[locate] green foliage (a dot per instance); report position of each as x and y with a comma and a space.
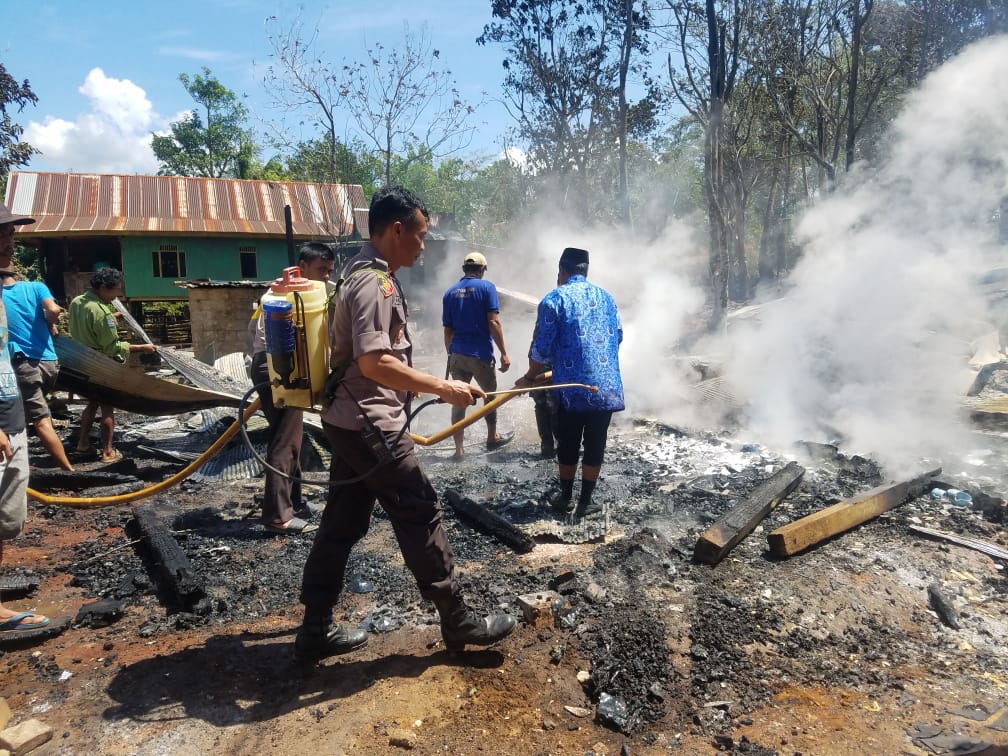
314, 160
404, 105
563, 85
27, 262
171, 309
499, 194
211, 141
13, 151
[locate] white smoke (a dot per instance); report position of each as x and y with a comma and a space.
872, 343
870, 346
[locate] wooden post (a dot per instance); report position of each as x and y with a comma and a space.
726, 533
800, 534
490, 521
174, 571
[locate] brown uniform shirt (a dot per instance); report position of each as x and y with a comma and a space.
369, 315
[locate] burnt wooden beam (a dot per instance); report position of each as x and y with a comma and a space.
490, 522
985, 547
726, 533
65, 480
174, 571
799, 535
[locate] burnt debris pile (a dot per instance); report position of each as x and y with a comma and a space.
655, 635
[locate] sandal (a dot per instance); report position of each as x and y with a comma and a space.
502, 440
16, 623
293, 526
116, 456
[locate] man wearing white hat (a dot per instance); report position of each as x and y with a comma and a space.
470, 314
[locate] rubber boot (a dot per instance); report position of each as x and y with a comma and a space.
586, 507
318, 637
561, 500
544, 424
461, 625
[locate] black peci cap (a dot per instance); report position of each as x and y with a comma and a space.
572, 257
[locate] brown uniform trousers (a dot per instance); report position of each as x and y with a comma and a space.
408, 498
282, 496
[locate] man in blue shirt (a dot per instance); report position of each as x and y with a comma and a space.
32, 314
577, 336
470, 314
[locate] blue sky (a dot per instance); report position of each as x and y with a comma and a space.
106, 73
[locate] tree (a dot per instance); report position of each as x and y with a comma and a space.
213, 141
13, 152
302, 81
405, 106
314, 160
941, 28
500, 192
710, 38
568, 67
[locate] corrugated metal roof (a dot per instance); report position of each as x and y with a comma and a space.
65, 204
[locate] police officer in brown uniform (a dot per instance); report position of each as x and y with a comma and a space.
366, 416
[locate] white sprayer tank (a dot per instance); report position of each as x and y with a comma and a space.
297, 340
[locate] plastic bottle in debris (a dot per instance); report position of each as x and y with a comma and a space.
962, 499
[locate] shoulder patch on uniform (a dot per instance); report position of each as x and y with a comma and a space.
384, 285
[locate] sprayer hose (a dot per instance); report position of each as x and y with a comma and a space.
143, 493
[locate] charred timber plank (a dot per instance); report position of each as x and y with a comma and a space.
46, 480
490, 521
174, 569
842, 516
726, 533
976, 544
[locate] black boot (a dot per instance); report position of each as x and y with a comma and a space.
461, 625
586, 507
562, 500
318, 637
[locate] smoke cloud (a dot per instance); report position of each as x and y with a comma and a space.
869, 347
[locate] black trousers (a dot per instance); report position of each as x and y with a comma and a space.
282, 495
574, 427
411, 503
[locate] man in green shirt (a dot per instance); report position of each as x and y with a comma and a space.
93, 324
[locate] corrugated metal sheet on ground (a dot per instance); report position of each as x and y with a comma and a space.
65, 204
234, 462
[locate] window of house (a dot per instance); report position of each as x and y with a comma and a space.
169, 262
249, 263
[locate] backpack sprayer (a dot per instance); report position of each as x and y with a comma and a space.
297, 340
296, 324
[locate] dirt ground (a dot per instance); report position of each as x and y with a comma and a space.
833, 651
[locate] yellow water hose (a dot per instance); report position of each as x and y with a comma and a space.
466, 421
499, 397
107, 501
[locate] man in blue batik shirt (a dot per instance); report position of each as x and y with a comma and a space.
577, 335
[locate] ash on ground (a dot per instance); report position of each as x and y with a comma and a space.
667, 643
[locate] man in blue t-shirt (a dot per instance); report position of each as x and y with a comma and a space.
577, 335
470, 314
32, 314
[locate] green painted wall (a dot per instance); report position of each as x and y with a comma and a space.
206, 257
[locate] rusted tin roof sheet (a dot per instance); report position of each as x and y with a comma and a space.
67, 204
